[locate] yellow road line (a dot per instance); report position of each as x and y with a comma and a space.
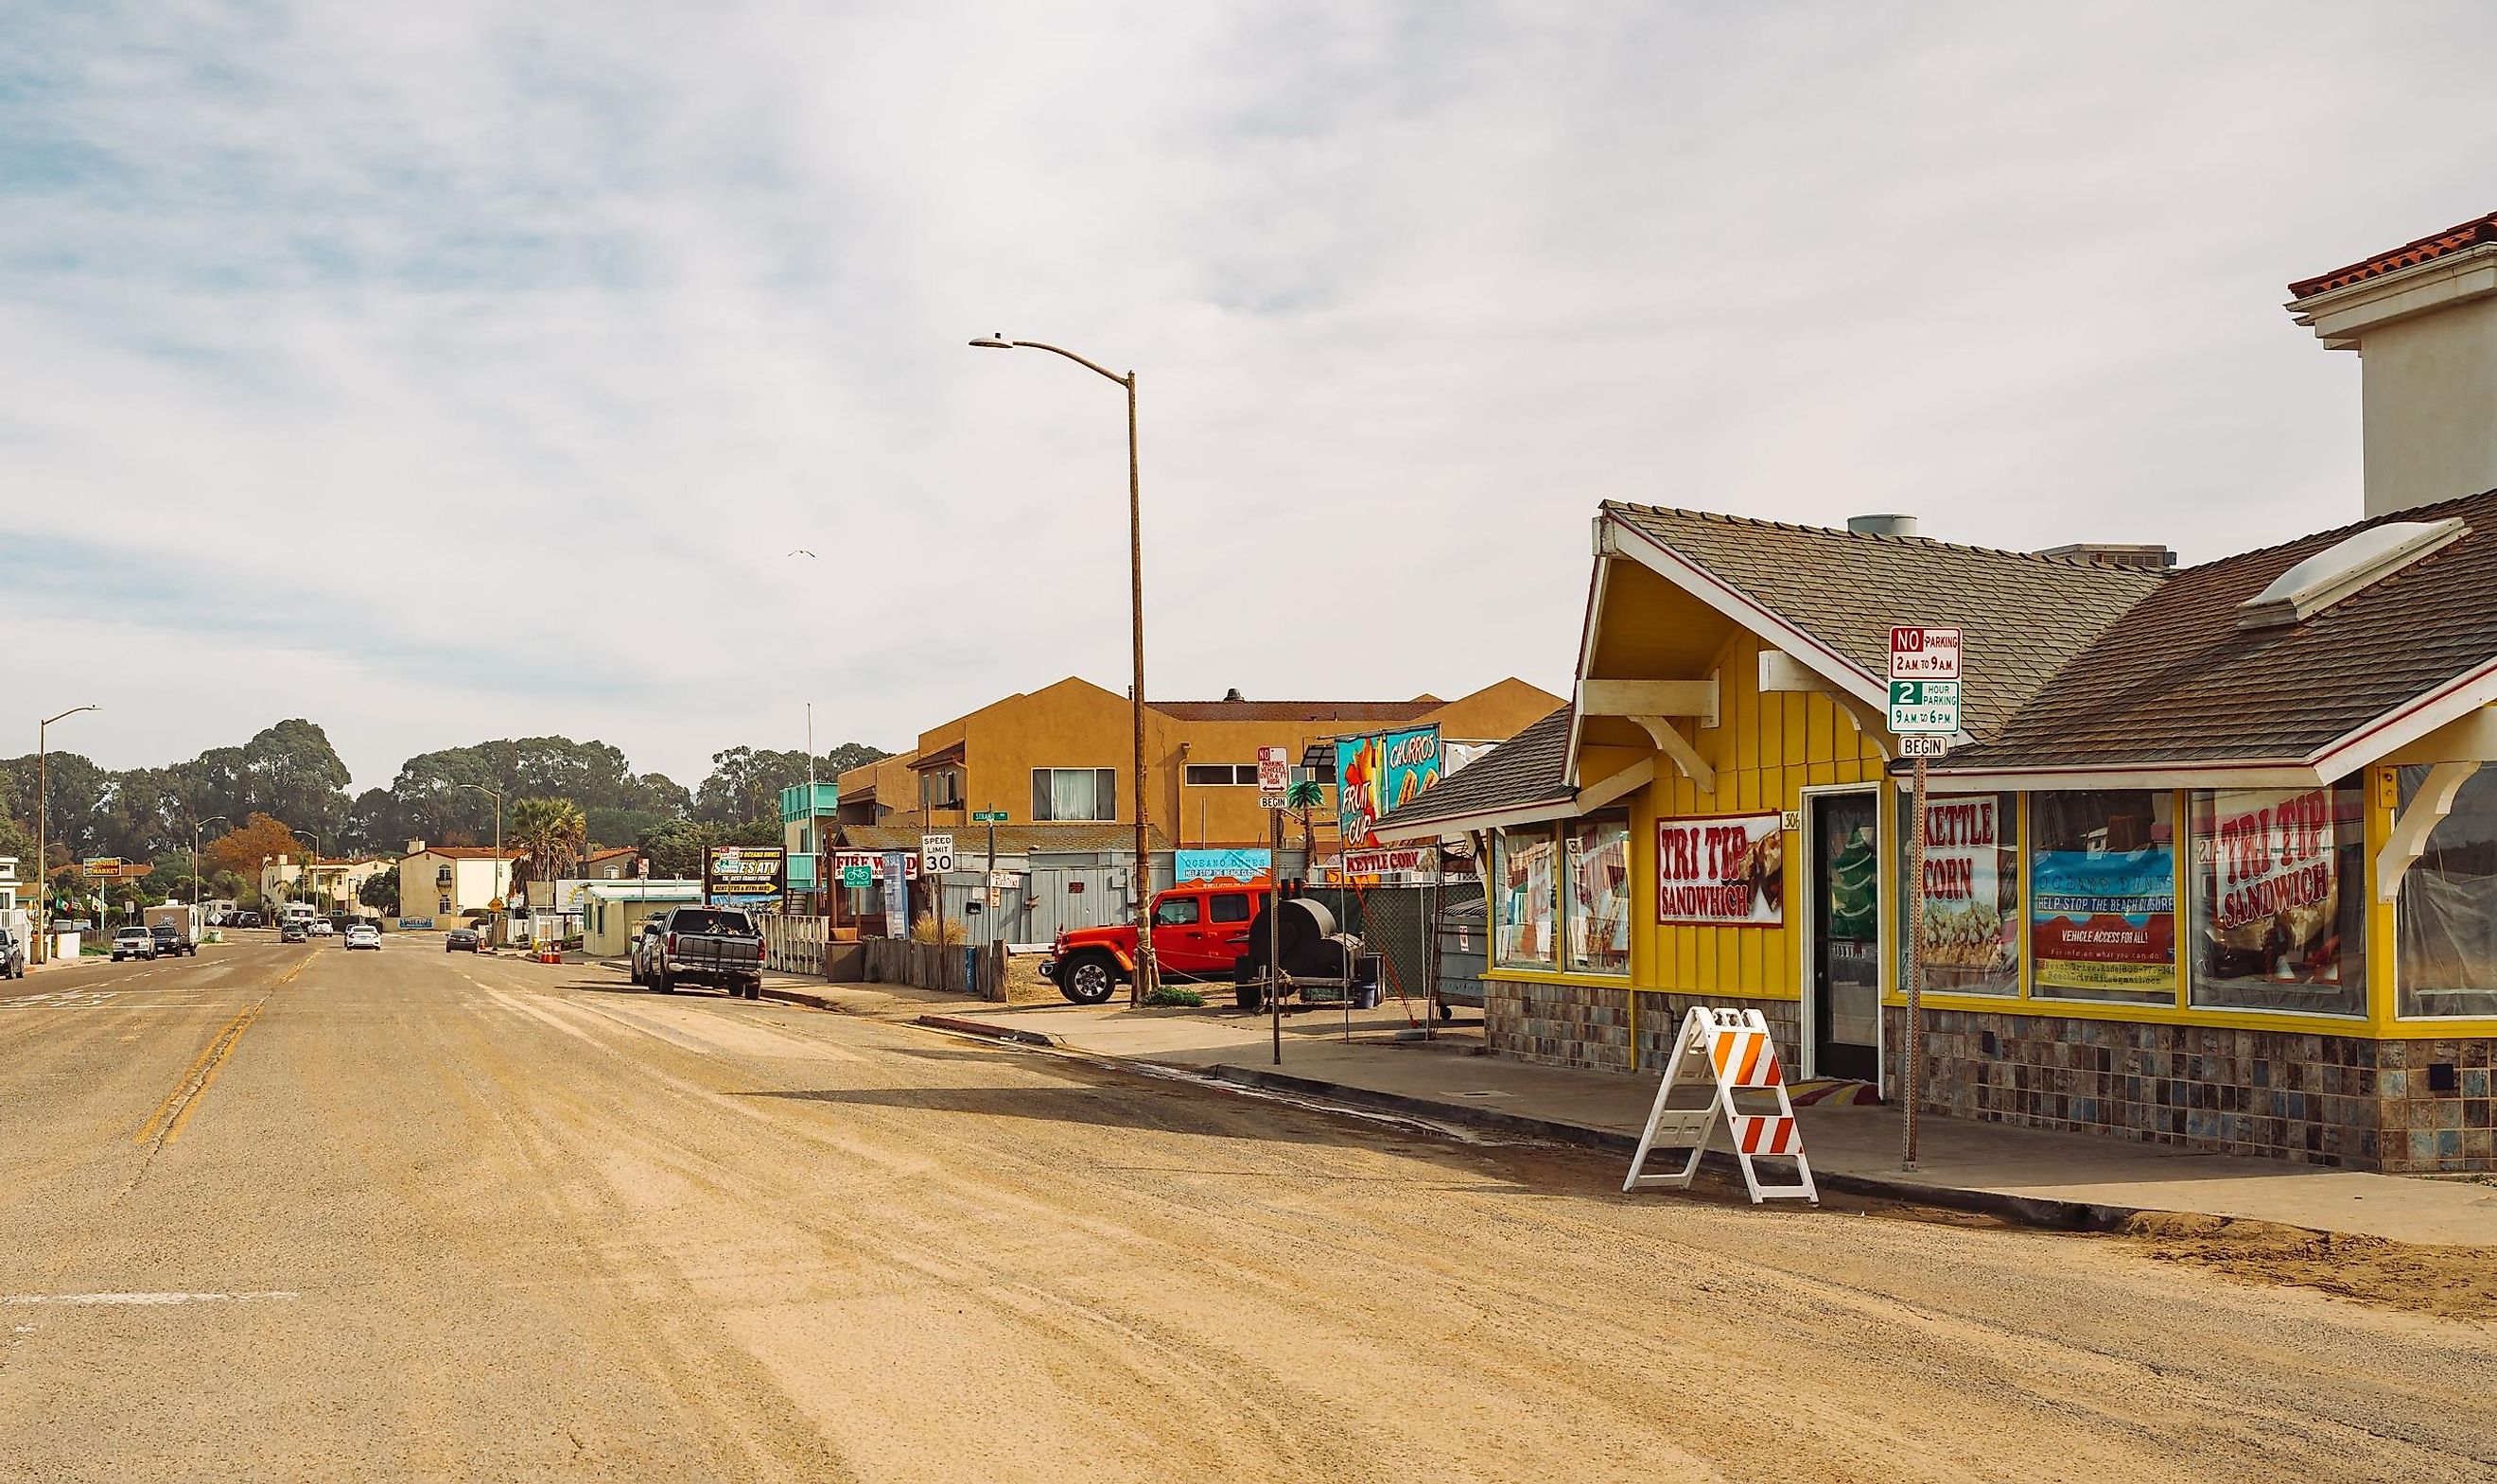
176, 1110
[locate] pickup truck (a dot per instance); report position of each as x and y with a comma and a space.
717, 946
1200, 932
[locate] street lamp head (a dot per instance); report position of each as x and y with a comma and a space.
995, 342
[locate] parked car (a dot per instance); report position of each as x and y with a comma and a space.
459, 940
1200, 932
246, 919
717, 946
170, 941
133, 943
646, 948
294, 933
364, 935
13, 956
318, 927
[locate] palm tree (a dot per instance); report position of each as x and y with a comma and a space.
1308, 797
553, 833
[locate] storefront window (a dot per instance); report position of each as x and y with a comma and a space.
1528, 905
2446, 921
1599, 896
2103, 895
1971, 927
2279, 909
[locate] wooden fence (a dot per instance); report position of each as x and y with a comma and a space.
797, 945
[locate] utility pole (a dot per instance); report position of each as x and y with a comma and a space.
502, 892
197, 825
43, 844
1274, 928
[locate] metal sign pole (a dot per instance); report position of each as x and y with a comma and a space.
1274, 929
1915, 887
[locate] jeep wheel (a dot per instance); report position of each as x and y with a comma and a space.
1088, 978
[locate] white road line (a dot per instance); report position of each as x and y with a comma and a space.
148, 1300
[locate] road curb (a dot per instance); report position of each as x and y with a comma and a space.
799, 998
2044, 1212
970, 1027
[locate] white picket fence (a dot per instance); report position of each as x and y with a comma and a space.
794, 945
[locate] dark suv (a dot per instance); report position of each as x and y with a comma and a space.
170, 942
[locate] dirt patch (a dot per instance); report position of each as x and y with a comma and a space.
2450, 1283
1023, 984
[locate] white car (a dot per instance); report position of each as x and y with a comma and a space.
364, 935
134, 943
320, 928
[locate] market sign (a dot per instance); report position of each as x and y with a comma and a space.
745, 876
1721, 870
1379, 860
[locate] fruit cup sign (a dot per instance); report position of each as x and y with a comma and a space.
1721, 870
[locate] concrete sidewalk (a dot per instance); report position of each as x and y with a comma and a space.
2051, 1179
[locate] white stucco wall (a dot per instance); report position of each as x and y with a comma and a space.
2430, 396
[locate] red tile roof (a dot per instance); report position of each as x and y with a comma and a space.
2454, 238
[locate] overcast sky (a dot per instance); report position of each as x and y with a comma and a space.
465, 369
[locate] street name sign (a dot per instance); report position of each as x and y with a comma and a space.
988, 816
1924, 705
935, 853
1919, 653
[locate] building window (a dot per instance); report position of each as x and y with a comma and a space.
1322, 772
1522, 878
1971, 924
1221, 774
2103, 895
2280, 900
2445, 918
1074, 793
445, 908
941, 789
1600, 894
442, 875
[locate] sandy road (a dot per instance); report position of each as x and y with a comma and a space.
439, 1217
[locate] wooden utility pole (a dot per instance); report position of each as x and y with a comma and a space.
1274, 929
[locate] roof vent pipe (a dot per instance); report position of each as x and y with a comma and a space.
1233, 694
1881, 525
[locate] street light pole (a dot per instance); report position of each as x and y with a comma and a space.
311, 883
197, 825
500, 894
43, 844
1146, 974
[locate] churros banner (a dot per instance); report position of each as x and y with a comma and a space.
1377, 774
1721, 870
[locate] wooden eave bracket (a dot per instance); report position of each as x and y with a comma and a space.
1781, 672
2408, 840
1670, 742
1635, 699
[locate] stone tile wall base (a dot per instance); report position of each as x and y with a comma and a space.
1558, 1024
2336, 1100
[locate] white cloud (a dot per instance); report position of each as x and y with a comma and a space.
441, 373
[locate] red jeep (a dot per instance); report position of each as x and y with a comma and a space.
1200, 932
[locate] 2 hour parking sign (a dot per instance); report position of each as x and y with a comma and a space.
1924, 679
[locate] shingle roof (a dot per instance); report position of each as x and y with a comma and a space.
2023, 614
477, 852
2454, 238
2175, 681
1014, 840
1297, 710
1529, 769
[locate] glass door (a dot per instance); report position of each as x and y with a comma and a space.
1846, 931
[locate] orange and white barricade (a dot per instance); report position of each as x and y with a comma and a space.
1730, 1051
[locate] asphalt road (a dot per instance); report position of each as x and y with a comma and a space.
291, 1213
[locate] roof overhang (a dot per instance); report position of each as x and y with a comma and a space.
2340, 317
1569, 805
2453, 723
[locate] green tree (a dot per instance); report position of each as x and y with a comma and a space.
1305, 798
379, 892
746, 784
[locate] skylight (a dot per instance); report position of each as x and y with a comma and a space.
2344, 569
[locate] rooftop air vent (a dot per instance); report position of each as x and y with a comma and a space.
1881, 525
2344, 568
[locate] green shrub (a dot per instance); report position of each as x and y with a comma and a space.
1168, 997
